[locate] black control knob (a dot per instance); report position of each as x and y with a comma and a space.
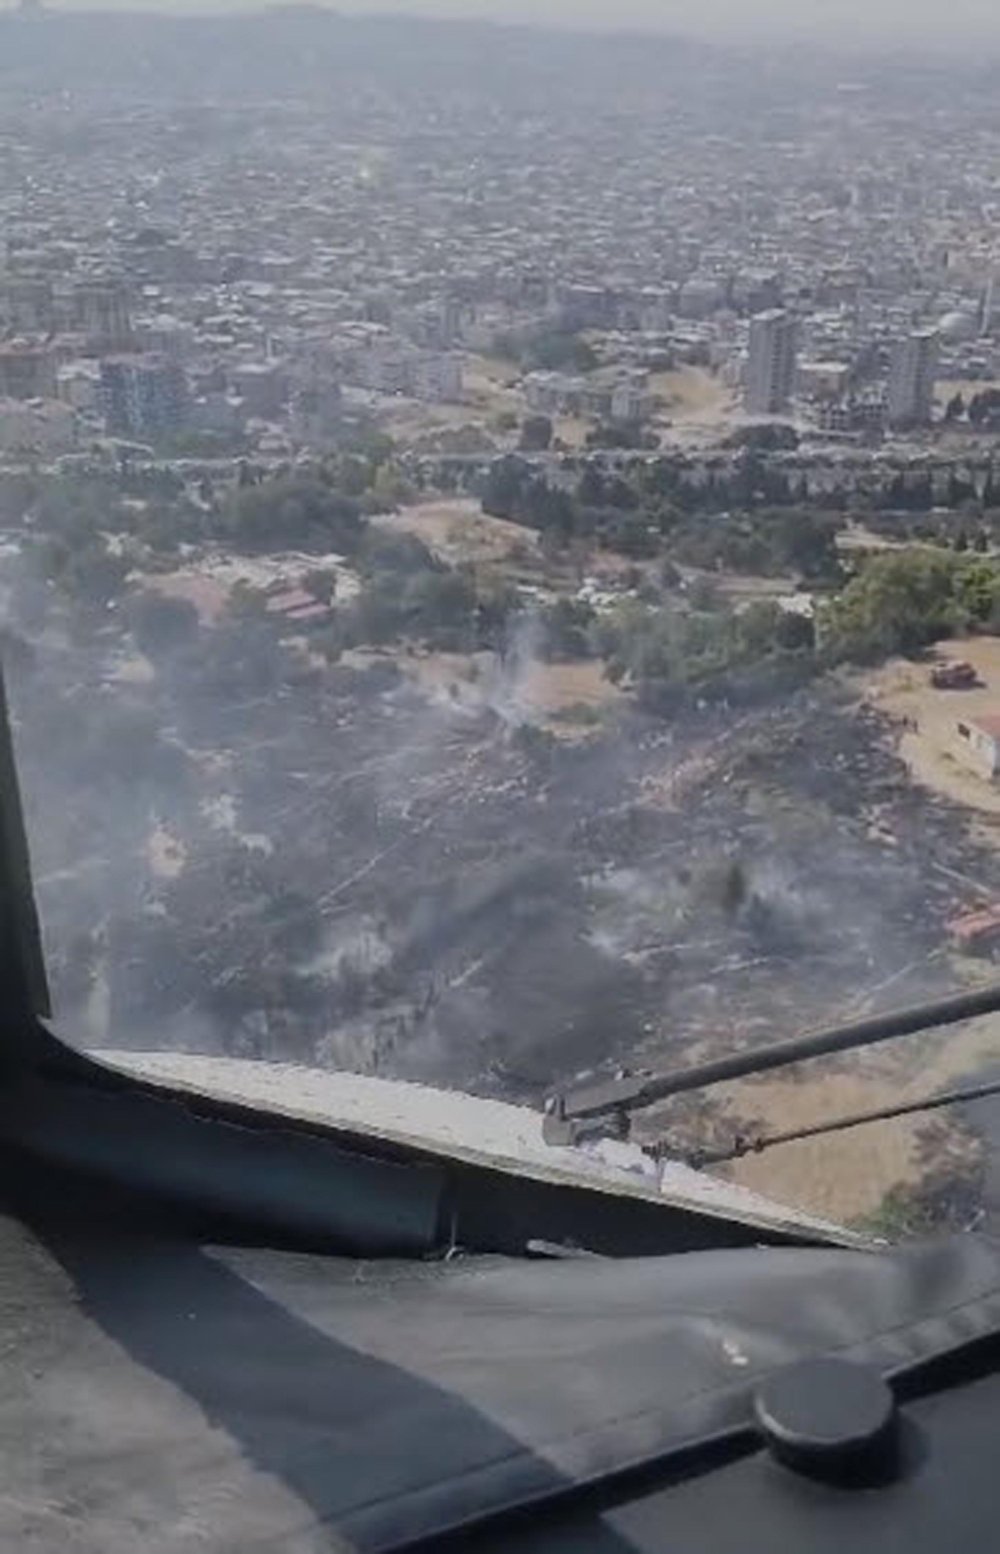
828, 1417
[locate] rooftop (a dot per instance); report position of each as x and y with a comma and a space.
987, 723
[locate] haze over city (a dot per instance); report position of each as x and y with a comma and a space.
964, 24
469, 494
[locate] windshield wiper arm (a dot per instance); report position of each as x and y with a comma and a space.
606, 1105
756, 1143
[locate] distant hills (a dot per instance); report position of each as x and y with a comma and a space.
302, 47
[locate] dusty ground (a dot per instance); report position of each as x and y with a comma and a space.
967, 387
695, 406
933, 751
691, 394
571, 430
485, 381
208, 581
410, 420
739, 589
483, 374
857, 537
846, 1175
568, 699
458, 530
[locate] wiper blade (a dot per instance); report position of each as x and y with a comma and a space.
755, 1144
606, 1105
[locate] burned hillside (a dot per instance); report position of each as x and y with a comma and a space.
343, 869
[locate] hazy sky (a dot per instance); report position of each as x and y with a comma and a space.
914, 21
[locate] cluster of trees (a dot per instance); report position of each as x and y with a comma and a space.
770, 542
90, 571
296, 512
749, 480
901, 601
984, 409
407, 592
161, 624
536, 434
602, 509
622, 434
765, 437
88, 541
955, 531
898, 602
981, 411
91, 531
673, 656
750, 516
754, 479
635, 515
549, 349
565, 630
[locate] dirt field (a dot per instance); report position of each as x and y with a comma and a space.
692, 394
489, 372
554, 690
459, 530
410, 421
857, 537
846, 1175
485, 379
565, 698
571, 430
933, 751
967, 387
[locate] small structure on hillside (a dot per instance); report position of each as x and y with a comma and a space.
977, 932
979, 743
954, 675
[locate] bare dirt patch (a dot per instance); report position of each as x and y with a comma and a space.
846, 1175
566, 698
692, 394
932, 749
459, 531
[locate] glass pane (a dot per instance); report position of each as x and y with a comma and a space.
499, 563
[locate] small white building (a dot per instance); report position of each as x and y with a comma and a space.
979, 743
554, 393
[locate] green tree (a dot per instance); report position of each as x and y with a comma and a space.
300, 512
160, 623
564, 629
898, 603
557, 350
321, 582
385, 550
503, 490
536, 434
976, 588
621, 434
89, 571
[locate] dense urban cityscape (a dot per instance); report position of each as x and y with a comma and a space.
478, 505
